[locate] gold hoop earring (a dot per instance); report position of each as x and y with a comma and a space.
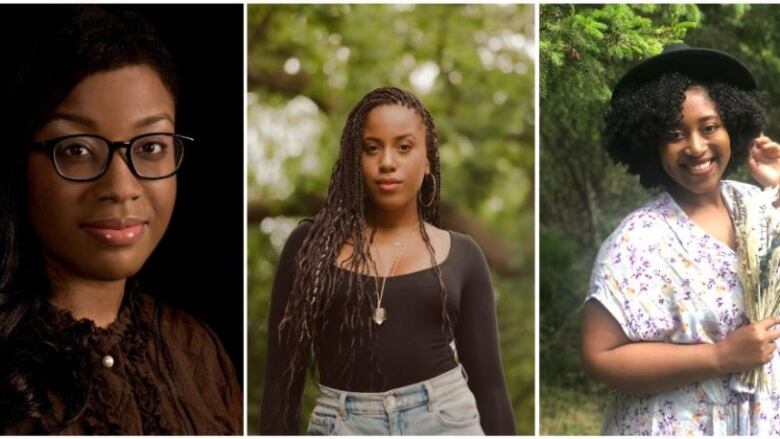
433, 193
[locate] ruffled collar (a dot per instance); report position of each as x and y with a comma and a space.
62, 320
80, 348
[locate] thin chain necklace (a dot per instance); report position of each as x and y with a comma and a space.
380, 313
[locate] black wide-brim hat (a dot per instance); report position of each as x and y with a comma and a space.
698, 63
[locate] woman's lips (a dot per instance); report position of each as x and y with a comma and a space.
700, 167
388, 185
116, 231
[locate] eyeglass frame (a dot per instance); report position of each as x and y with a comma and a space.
112, 146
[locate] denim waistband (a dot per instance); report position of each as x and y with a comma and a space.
424, 393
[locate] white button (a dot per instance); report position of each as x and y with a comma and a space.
108, 361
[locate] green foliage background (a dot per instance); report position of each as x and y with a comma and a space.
472, 66
584, 50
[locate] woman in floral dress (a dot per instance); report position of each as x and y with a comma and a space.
664, 325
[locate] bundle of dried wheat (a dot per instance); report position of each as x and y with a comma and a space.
757, 229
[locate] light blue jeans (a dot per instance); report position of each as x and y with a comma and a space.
442, 405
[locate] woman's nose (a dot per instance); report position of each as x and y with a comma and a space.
697, 145
387, 160
118, 184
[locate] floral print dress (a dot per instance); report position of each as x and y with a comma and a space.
664, 279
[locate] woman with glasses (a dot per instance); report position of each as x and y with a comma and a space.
88, 188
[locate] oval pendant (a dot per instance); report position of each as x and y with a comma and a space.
380, 316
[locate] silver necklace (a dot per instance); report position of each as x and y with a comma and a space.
380, 313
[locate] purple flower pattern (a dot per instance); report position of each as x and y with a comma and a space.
664, 279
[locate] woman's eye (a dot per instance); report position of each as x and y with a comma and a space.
675, 135
370, 149
151, 149
75, 150
405, 147
709, 129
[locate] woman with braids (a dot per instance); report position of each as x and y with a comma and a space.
374, 293
87, 188
664, 324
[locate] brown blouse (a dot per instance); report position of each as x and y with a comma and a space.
155, 370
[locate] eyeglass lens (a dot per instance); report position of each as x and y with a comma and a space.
86, 157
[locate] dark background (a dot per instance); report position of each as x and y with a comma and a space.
198, 265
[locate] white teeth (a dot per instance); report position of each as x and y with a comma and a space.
701, 166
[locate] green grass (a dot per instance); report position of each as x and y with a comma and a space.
571, 411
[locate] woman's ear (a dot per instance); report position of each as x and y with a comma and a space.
427, 166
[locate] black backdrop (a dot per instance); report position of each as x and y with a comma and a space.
198, 266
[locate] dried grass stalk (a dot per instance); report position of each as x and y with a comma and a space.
757, 230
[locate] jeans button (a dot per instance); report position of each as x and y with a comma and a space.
390, 402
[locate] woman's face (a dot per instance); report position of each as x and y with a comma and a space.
699, 147
394, 156
104, 229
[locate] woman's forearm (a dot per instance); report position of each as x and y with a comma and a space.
645, 368
653, 367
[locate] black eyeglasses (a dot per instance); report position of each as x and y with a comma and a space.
86, 157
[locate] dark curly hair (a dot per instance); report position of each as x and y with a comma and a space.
65, 45
640, 117
342, 219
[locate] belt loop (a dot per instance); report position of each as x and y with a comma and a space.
463, 372
343, 404
431, 398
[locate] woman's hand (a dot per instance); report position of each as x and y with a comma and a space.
748, 347
764, 161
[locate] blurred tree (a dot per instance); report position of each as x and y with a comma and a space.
471, 65
584, 50
749, 32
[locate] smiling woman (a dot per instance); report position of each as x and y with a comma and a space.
88, 184
664, 324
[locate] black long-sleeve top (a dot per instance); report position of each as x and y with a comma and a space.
410, 346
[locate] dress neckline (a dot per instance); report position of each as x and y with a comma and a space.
695, 228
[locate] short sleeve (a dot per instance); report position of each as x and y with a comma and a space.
606, 290
634, 279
